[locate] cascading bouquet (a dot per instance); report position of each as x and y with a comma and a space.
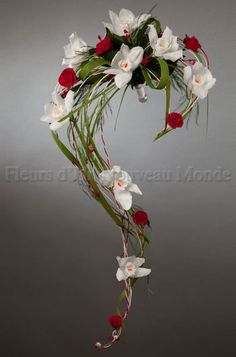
134, 52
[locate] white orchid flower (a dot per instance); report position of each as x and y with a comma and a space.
122, 185
124, 63
76, 51
125, 22
165, 46
57, 109
198, 79
129, 267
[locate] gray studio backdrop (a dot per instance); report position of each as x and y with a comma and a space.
58, 248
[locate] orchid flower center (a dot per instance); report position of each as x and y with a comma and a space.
198, 80
125, 25
120, 183
130, 268
124, 65
164, 43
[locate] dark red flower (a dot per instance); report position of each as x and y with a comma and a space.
140, 217
91, 149
115, 321
67, 78
175, 120
192, 43
103, 46
146, 59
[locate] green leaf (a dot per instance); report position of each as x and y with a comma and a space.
122, 296
90, 66
65, 150
158, 26
108, 56
140, 37
115, 39
164, 77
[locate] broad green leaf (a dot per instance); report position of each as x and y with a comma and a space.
90, 66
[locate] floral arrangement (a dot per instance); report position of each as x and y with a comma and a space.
135, 52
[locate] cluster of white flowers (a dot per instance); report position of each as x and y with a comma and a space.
198, 78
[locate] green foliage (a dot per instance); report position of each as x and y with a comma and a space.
151, 79
115, 39
140, 37
91, 66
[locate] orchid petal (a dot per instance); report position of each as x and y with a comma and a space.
120, 275
187, 74
46, 119
57, 124
123, 261
69, 101
173, 56
116, 169
122, 79
124, 176
113, 71
48, 108
126, 16
57, 99
141, 272
135, 56
167, 33
108, 26
68, 51
124, 50
77, 43
139, 261
124, 198
116, 23
106, 178
134, 188
152, 35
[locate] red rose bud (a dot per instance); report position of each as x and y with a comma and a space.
175, 120
115, 321
67, 78
146, 59
140, 217
103, 46
192, 43
91, 149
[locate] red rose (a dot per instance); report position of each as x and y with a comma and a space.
115, 321
175, 120
140, 217
103, 46
192, 43
146, 60
67, 78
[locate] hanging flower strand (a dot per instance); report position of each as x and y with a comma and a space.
134, 52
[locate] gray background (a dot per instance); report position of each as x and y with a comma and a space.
58, 248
